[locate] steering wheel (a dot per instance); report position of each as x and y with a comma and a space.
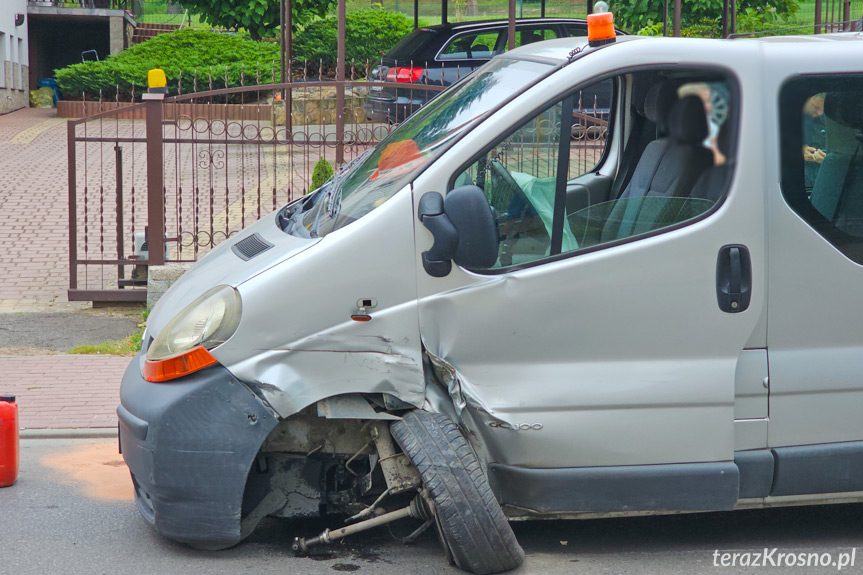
508, 182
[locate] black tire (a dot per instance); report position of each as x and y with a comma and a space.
475, 530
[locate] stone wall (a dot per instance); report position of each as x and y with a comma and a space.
15, 93
316, 106
160, 278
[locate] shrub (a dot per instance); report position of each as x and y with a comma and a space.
184, 52
369, 34
652, 30
640, 14
320, 174
703, 29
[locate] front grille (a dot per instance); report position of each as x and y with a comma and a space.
250, 247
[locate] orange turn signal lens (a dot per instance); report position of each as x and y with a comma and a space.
178, 366
600, 28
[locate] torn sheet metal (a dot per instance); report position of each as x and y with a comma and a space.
297, 344
350, 407
462, 392
292, 380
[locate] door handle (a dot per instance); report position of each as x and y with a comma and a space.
733, 278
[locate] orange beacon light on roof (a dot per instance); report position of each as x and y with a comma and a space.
600, 29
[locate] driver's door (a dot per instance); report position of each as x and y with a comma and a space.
571, 356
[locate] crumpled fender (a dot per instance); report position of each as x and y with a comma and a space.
337, 362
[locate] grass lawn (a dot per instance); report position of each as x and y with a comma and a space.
128, 346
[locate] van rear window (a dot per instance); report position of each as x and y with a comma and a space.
822, 157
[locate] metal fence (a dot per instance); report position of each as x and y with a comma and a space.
92, 4
169, 178
182, 173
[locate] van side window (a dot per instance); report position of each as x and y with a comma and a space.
822, 157
519, 177
591, 118
550, 188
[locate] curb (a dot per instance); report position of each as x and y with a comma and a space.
81, 433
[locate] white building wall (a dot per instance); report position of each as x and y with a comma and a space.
14, 62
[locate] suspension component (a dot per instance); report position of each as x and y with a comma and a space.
418, 509
399, 473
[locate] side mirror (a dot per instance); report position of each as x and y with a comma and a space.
463, 228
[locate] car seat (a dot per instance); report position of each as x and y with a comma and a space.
669, 167
841, 171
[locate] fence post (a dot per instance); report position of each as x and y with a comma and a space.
155, 179
121, 253
818, 10
73, 206
340, 88
289, 58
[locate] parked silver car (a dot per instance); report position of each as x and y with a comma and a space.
492, 317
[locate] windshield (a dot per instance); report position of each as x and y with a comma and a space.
374, 177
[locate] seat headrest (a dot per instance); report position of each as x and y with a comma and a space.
844, 108
639, 95
658, 102
687, 121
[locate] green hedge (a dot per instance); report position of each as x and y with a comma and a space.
187, 51
369, 34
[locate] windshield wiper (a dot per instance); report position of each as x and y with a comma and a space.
291, 223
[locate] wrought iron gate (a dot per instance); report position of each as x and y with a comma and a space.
183, 173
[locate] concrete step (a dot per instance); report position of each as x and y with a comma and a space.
159, 26
144, 32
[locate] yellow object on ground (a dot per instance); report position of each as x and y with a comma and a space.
42, 98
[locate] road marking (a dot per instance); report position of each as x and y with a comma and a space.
27, 135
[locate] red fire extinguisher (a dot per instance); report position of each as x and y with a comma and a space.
8, 440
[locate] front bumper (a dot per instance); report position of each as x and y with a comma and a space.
189, 445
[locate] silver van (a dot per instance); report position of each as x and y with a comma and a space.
491, 317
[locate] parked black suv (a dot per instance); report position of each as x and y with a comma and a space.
442, 55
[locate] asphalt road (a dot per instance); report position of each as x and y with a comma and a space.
62, 331
71, 513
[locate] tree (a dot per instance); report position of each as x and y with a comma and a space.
259, 17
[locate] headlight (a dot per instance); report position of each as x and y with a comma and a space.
183, 345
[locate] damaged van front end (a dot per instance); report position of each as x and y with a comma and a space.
196, 424
271, 370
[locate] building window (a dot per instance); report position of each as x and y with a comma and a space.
3, 60
22, 61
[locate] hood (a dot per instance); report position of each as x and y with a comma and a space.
222, 266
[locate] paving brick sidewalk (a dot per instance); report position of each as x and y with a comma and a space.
33, 212
64, 391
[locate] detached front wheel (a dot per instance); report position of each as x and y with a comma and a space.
472, 524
